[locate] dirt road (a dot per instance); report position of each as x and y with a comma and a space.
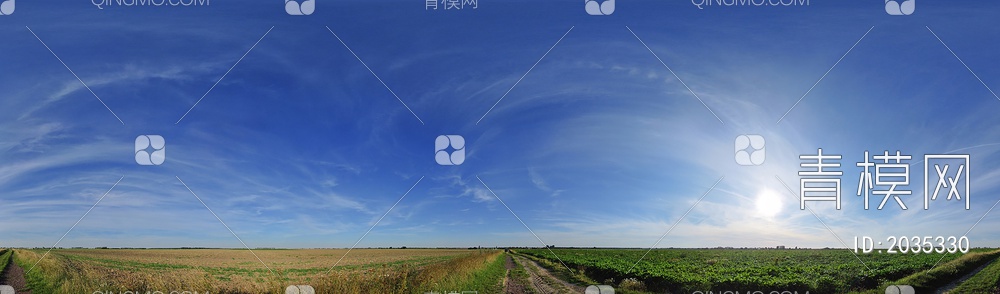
13, 276
511, 283
539, 279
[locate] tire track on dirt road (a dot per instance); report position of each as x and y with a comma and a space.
13, 275
543, 281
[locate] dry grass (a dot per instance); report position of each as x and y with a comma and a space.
238, 271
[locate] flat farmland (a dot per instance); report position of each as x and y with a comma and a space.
751, 270
815, 271
239, 271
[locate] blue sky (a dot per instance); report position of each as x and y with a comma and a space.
599, 145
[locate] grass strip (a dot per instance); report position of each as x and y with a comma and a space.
986, 281
5, 255
482, 272
46, 274
930, 280
520, 276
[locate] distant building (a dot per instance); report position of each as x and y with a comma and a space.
781, 247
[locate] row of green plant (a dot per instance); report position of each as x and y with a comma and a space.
929, 281
690, 270
986, 281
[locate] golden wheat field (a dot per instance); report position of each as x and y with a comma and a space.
239, 271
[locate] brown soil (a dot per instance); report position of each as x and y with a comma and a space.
13, 276
512, 285
542, 281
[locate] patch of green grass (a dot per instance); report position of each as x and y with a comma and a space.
986, 281
5, 255
488, 279
38, 282
521, 276
930, 280
484, 277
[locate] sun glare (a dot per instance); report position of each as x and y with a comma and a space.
768, 204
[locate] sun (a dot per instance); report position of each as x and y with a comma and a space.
768, 204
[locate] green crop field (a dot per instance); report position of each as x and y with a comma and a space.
985, 281
816, 271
